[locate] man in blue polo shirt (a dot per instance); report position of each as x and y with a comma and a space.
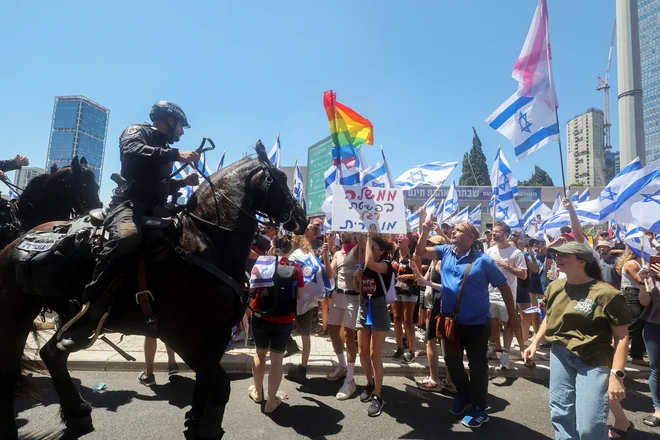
474, 316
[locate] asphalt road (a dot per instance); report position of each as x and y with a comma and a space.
128, 410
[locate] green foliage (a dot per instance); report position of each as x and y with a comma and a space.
475, 170
539, 178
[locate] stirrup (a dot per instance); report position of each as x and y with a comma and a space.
73, 320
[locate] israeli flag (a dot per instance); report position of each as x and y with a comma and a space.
610, 195
635, 235
263, 272
375, 175
557, 206
501, 176
588, 213
475, 217
431, 209
349, 176
639, 199
584, 196
12, 194
327, 209
450, 205
274, 154
413, 221
298, 190
529, 219
462, 215
434, 174
221, 163
575, 198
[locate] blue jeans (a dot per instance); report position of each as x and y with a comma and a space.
651, 335
579, 402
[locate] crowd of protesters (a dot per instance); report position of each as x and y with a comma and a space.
589, 306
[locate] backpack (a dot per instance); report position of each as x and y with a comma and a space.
280, 299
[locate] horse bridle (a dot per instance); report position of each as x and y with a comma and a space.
269, 180
76, 196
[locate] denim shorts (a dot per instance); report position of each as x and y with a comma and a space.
380, 319
268, 335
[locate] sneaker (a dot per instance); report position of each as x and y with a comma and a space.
491, 353
367, 393
397, 354
459, 406
147, 381
339, 373
239, 337
376, 407
347, 390
172, 369
475, 418
546, 357
408, 357
504, 361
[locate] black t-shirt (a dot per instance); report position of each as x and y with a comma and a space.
371, 284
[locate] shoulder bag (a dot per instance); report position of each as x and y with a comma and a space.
445, 323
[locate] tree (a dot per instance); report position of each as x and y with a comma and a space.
539, 178
578, 184
475, 170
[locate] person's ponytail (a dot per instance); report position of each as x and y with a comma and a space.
592, 269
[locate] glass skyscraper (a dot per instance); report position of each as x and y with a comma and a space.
649, 35
79, 127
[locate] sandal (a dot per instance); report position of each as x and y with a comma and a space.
530, 364
447, 386
270, 409
640, 362
651, 421
252, 392
621, 433
429, 385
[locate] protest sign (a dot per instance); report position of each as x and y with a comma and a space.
356, 208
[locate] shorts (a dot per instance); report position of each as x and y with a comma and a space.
430, 324
304, 323
270, 336
426, 298
522, 297
380, 318
498, 310
344, 310
407, 298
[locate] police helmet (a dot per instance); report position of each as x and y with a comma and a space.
162, 109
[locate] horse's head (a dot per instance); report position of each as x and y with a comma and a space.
77, 186
274, 196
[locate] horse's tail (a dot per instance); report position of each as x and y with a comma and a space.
25, 388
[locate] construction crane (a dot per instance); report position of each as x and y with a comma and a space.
604, 84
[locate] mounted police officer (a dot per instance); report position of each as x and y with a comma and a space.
146, 164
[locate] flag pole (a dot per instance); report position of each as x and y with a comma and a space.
433, 196
643, 261
561, 154
387, 167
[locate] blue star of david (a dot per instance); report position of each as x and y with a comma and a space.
609, 196
651, 197
378, 185
504, 211
502, 187
417, 176
522, 119
264, 272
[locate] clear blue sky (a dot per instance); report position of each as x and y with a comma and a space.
423, 72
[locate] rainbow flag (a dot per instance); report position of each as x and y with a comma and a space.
349, 131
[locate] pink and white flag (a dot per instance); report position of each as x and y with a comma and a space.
528, 118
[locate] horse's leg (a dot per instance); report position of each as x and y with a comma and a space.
15, 324
76, 413
212, 388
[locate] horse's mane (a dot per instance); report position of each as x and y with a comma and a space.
35, 185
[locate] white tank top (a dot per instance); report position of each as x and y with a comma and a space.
627, 280
346, 269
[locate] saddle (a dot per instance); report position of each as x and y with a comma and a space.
60, 262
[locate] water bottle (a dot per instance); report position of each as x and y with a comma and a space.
282, 395
368, 319
554, 270
99, 387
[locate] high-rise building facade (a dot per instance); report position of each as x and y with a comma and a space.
586, 149
612, 165
79, 127
23, 176
649, 36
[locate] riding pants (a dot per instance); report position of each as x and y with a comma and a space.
125, 238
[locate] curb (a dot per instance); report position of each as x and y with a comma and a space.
243, 364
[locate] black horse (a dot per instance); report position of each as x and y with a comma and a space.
195, 310
54, 196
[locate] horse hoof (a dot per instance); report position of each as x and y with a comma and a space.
79, 425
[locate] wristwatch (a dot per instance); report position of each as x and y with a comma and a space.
618, 373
